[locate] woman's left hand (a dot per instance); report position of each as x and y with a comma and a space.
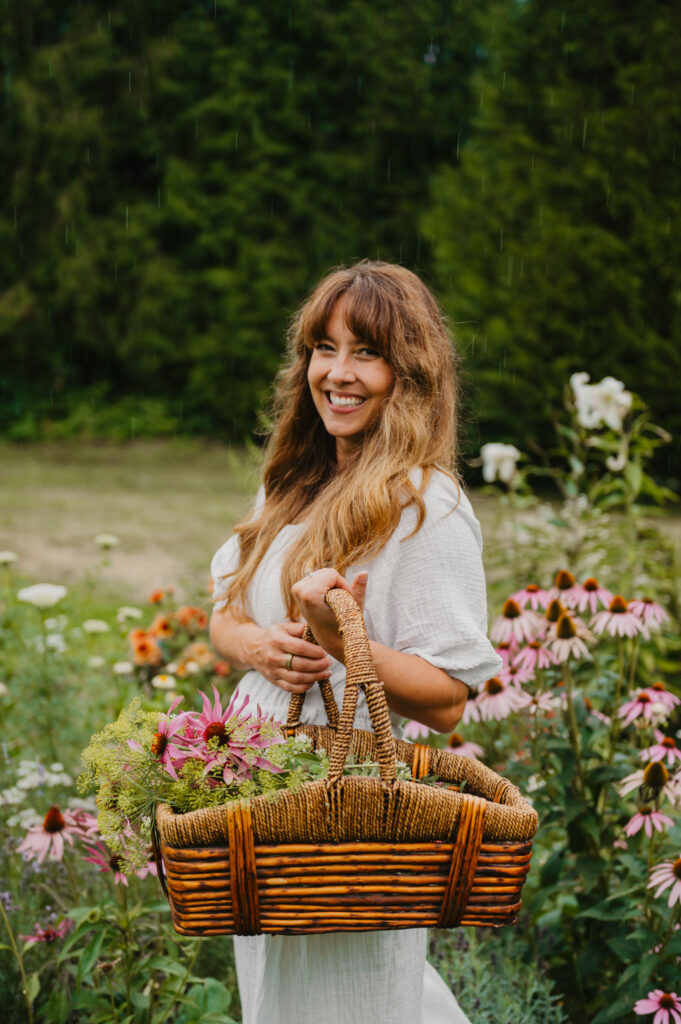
310, 595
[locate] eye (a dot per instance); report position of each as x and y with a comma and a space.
372, 353
323, 346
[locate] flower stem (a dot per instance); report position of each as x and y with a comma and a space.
183, 982
574, 729
20, 961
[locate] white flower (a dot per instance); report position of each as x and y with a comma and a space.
606, 402
14, 795
95, 661
499, 461
25, 819
123, 668
192, 667
170, 697
616, 463
107, 540
58, 623
42, 595
128, 613
7, 557
52, 642
163, 682
4, 690
95, 626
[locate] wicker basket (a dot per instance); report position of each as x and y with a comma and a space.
350, 853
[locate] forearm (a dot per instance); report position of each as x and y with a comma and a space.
416, 689
234, 639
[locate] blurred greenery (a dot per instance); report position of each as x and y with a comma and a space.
177, 176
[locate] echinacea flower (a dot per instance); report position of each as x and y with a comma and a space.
47, 838
42, 595
661, 695
49, 934
535, 656
617, 619
415, 731
665, 1005
664, 748
651, 614
587, 595
499, 461
594, 712
497, 699
228, 741
507, 650
532, 595
642, 705
653, 779
567, 639
664, 875
106, 861
516, 674
470, 709
164, 744
544, 702
564, 587
514, 621
647, 818
464, 748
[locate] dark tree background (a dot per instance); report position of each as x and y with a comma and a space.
176, 176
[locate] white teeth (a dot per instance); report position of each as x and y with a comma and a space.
339, 400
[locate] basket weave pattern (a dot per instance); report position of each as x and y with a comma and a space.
352, 853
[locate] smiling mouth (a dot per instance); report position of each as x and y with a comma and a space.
339, 401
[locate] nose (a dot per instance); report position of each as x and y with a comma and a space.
341, 371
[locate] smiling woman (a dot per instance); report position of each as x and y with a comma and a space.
359, 492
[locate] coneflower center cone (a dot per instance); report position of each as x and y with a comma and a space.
554, 611
54, 820
669, 742
565, 580
590, 584
494, 686
511, 609
565, 629
676, 868
655, 775
159, 744
455, 740
667, 1002
216, 729
618, 605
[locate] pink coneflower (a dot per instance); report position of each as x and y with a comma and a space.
523, 624
535, 656
532, 595
416, 731
651, 614
544, 702
664, 748
497, 699
665, 1005
617, 620
654, 778
666, 874
647, 818
105, 861
47, 839
150, 868
49, 934
228, 741
567, 641
661, 695
164, 746
643, 705
587, 595
470, 711
464, 748
516, 674
563, 588
594, 712
506, 651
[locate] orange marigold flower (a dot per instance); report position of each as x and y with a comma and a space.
222, 668
147, 652
161, 626
191, 618
198, 652
156, 596
137, 634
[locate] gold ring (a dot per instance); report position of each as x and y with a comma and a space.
288, 662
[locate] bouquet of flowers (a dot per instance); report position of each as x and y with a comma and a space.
191, 760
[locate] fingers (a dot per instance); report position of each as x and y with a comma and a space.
359, 588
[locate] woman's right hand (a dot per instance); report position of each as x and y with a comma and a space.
269, 654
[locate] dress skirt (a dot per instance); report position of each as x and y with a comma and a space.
342, 978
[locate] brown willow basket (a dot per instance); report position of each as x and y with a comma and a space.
349, 853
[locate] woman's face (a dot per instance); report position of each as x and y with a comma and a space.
349, 382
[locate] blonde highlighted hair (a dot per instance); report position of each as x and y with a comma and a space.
349, 516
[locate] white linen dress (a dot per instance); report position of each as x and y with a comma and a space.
425, 596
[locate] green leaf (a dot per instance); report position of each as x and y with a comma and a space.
57, 1008
32, 986
89, 956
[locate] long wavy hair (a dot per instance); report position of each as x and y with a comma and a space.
348, 516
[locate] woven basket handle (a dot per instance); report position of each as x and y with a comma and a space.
360, 674
295, 704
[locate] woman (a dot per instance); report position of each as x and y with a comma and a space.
359, 492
